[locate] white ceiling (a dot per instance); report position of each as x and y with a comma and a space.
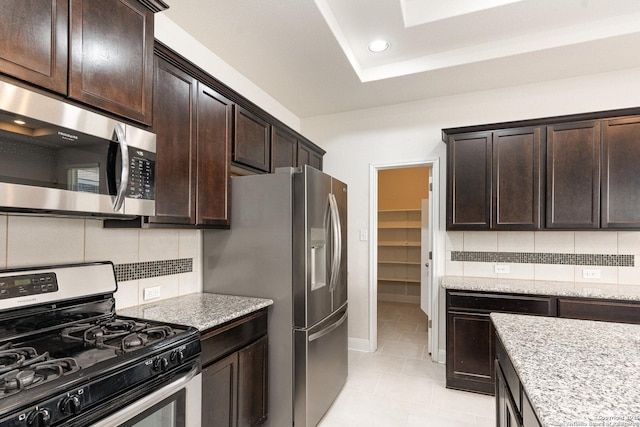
312, 56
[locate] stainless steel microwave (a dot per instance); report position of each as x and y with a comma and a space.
57, 158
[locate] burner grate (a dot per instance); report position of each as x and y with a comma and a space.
122, 335
23, 367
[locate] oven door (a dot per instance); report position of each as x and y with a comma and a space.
177, 404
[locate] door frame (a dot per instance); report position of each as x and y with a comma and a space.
373, 250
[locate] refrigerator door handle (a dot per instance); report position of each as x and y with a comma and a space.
337, 241
328, 329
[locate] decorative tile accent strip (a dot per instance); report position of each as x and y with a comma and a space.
145, 270
545, 258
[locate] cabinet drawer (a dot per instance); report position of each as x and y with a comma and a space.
608, 311
487, 303
225, 339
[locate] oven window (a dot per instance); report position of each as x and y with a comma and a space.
168, 413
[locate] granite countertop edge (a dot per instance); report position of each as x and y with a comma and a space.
200, 310
575, 372
543, 287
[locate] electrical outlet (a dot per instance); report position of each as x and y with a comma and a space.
151, 293
501, 269
591, 273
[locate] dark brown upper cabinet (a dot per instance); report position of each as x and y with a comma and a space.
573, 175
251, 140
308, 155
34, 40
283, 148
621, 173
516, 179
174, 123
193, 127
214, 123
587, 163
98, 52
111, 61
469, 193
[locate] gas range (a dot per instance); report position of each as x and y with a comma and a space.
66, 358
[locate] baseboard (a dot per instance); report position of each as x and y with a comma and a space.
358, 344
442, 356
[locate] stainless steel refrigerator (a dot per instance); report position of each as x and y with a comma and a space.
287, 242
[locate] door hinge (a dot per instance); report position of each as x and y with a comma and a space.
431, 186
430, 323
430, 255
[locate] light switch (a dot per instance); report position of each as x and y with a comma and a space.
364, 234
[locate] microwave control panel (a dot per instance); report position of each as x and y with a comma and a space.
141, 174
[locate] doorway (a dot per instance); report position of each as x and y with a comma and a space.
403, 224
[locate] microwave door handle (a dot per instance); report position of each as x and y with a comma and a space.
124, 175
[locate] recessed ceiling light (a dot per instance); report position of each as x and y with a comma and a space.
19, 122
379, 46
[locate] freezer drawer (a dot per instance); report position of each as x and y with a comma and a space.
320, 361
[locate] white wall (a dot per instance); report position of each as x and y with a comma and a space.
412, 132
181, 42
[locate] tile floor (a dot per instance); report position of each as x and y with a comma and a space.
399, 385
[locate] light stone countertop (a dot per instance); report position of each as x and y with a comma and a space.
200, 310
575, 372
542, 287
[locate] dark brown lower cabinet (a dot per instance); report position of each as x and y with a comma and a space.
234, 374
470, 334
469, 361
219, 388
472, 346
506, 414
513, 408
252, 383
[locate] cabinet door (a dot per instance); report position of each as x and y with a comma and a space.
33, 42
174, 124
303, 154
470, 352
251, 142
213, 137
283, 149
621, 173
308, 156
252, 383
469, 181
219, 393
111, 60
516, 179
315, 160
573, 175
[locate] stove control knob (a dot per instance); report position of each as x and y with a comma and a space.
177, 356
161, 364
39, 418
70, 405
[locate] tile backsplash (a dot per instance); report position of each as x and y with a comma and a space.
545, 255
169, 259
